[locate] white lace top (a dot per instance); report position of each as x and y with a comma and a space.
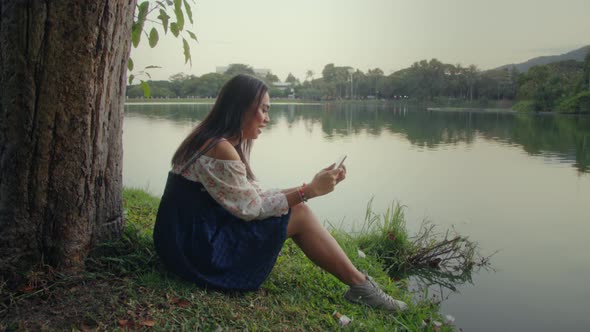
227, 183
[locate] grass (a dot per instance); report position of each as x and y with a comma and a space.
430, 258
125, 287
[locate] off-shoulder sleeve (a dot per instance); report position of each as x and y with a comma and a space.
227, 183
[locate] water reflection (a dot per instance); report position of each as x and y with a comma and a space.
557, 138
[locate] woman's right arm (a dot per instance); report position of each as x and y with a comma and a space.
322, 184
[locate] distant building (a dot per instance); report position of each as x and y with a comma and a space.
281, 85
284, 86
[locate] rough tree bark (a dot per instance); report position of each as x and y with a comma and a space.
62, 87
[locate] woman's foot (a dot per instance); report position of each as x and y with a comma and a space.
370, 294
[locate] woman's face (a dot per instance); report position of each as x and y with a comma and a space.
256, 118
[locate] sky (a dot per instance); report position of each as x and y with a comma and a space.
297, 36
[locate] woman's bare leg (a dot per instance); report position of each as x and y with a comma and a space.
320, 246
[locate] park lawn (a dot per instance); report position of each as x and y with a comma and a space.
125, 287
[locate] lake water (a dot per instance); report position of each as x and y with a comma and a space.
515, 183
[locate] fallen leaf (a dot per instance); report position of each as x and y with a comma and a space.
149, 323
183, 304
122, 322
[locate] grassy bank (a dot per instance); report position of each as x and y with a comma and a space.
126, 288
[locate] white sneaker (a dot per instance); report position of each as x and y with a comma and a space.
370, 294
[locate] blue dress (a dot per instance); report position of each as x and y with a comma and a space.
200, 241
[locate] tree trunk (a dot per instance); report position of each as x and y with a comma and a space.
62, 79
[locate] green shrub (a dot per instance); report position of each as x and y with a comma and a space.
579, 103
524, 106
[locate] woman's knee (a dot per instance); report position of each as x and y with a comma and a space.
301, 217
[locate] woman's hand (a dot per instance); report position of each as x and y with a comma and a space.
325, 181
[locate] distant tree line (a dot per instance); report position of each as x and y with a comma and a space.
561, 86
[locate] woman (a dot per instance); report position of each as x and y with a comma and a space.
217, 228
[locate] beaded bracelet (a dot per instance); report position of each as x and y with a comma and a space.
301, 193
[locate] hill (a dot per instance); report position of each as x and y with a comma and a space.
577, 55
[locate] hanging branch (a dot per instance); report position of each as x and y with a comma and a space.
166, 10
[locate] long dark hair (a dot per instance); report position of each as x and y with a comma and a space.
236, 97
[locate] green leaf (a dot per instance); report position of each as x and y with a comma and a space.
169, 2
188, 10
193, 36
187, 51
137, 26
152, 67
174, 29
142, 12
135, 34
153, 40
179, 14
161, 3
164, 18
130, 64
146, 89
131, 77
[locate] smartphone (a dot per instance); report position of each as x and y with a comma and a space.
340, 161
